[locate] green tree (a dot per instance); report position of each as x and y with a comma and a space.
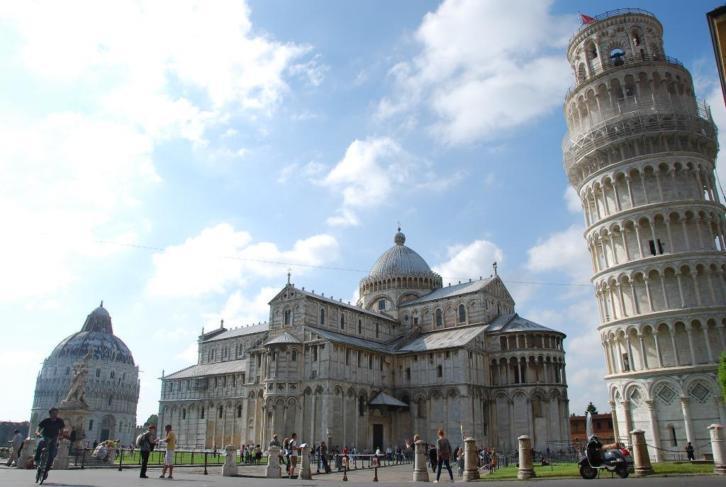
722, 374
591, 409
153, 419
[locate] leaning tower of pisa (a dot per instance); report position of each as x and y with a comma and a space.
641, 151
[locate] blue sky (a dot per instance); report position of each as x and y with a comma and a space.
175, 159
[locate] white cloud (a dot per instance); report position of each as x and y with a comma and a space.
470, 261
70, 179
572, 199
220, 256
310, 171
482, 70
562, 251
240, 310
189, 356
372, 171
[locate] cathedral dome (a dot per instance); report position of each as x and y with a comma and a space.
95, 337
399, 261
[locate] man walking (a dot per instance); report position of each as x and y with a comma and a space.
146, 442
15, 444
170, 440
443, 451
689, 452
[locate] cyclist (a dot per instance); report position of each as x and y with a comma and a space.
50, 430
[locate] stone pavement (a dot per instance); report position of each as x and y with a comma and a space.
389, 477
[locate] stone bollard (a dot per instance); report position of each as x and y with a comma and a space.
526, 471
305, 472
230, 462
62, 460
640, 454
273, 463
718, 447
471, 460
420, 471
25, 459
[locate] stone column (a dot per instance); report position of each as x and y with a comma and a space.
62, 460
718, 447
273, 463
687, 419
26, 453
526, 471
616, 430
230, 464
640, 454
305, 473
654, 429
420, 472
471, 457
628, 421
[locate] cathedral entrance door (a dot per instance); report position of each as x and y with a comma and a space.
105, 434
378, 437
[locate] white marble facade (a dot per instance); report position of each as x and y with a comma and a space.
112, 387
411, 356
641, 153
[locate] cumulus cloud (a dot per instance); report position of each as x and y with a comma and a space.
241, 310
220, 256
372, 171
470, 261
563, 251
481, 70
572, 199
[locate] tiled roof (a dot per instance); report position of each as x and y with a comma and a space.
352, 341
240, 331
451, 338
349, 306
218, 368
515, 323
285, 338
449, 291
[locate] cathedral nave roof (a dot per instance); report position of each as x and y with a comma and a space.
217, 368
241, 331
437, 340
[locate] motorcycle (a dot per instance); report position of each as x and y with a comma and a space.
595, 458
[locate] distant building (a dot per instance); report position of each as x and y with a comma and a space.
410, 357
641, 154
602, 427
112, 387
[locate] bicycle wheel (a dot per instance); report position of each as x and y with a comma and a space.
41, 475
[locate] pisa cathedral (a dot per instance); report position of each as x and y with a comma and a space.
641, 153
112, 386
412, 355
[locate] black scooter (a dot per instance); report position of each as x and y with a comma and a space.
596, 458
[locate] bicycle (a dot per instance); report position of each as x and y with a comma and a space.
42, 472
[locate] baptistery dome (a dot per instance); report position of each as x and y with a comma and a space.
111, 389
95, 337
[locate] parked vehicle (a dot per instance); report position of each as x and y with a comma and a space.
596, 458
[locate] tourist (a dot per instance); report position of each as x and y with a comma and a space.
258, 454
433, 457
443, 454
51, 428
146, 442
324, 456
459, 458
689, 452
15, 445
169, 455
293, 448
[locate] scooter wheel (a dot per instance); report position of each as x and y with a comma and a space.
587, 472
622, 471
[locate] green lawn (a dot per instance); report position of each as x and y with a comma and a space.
180, 458
572, 470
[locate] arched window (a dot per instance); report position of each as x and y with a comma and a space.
462, 313
220, 411
322, 316
381, 305
239, 411
294, 355
439, 318
201, 413
342, 321
361, 405
674, 439
360, 327
288, 316
184, 414
377, 330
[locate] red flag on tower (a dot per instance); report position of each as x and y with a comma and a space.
586, 19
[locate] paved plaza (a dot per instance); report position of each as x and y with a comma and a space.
389, 476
